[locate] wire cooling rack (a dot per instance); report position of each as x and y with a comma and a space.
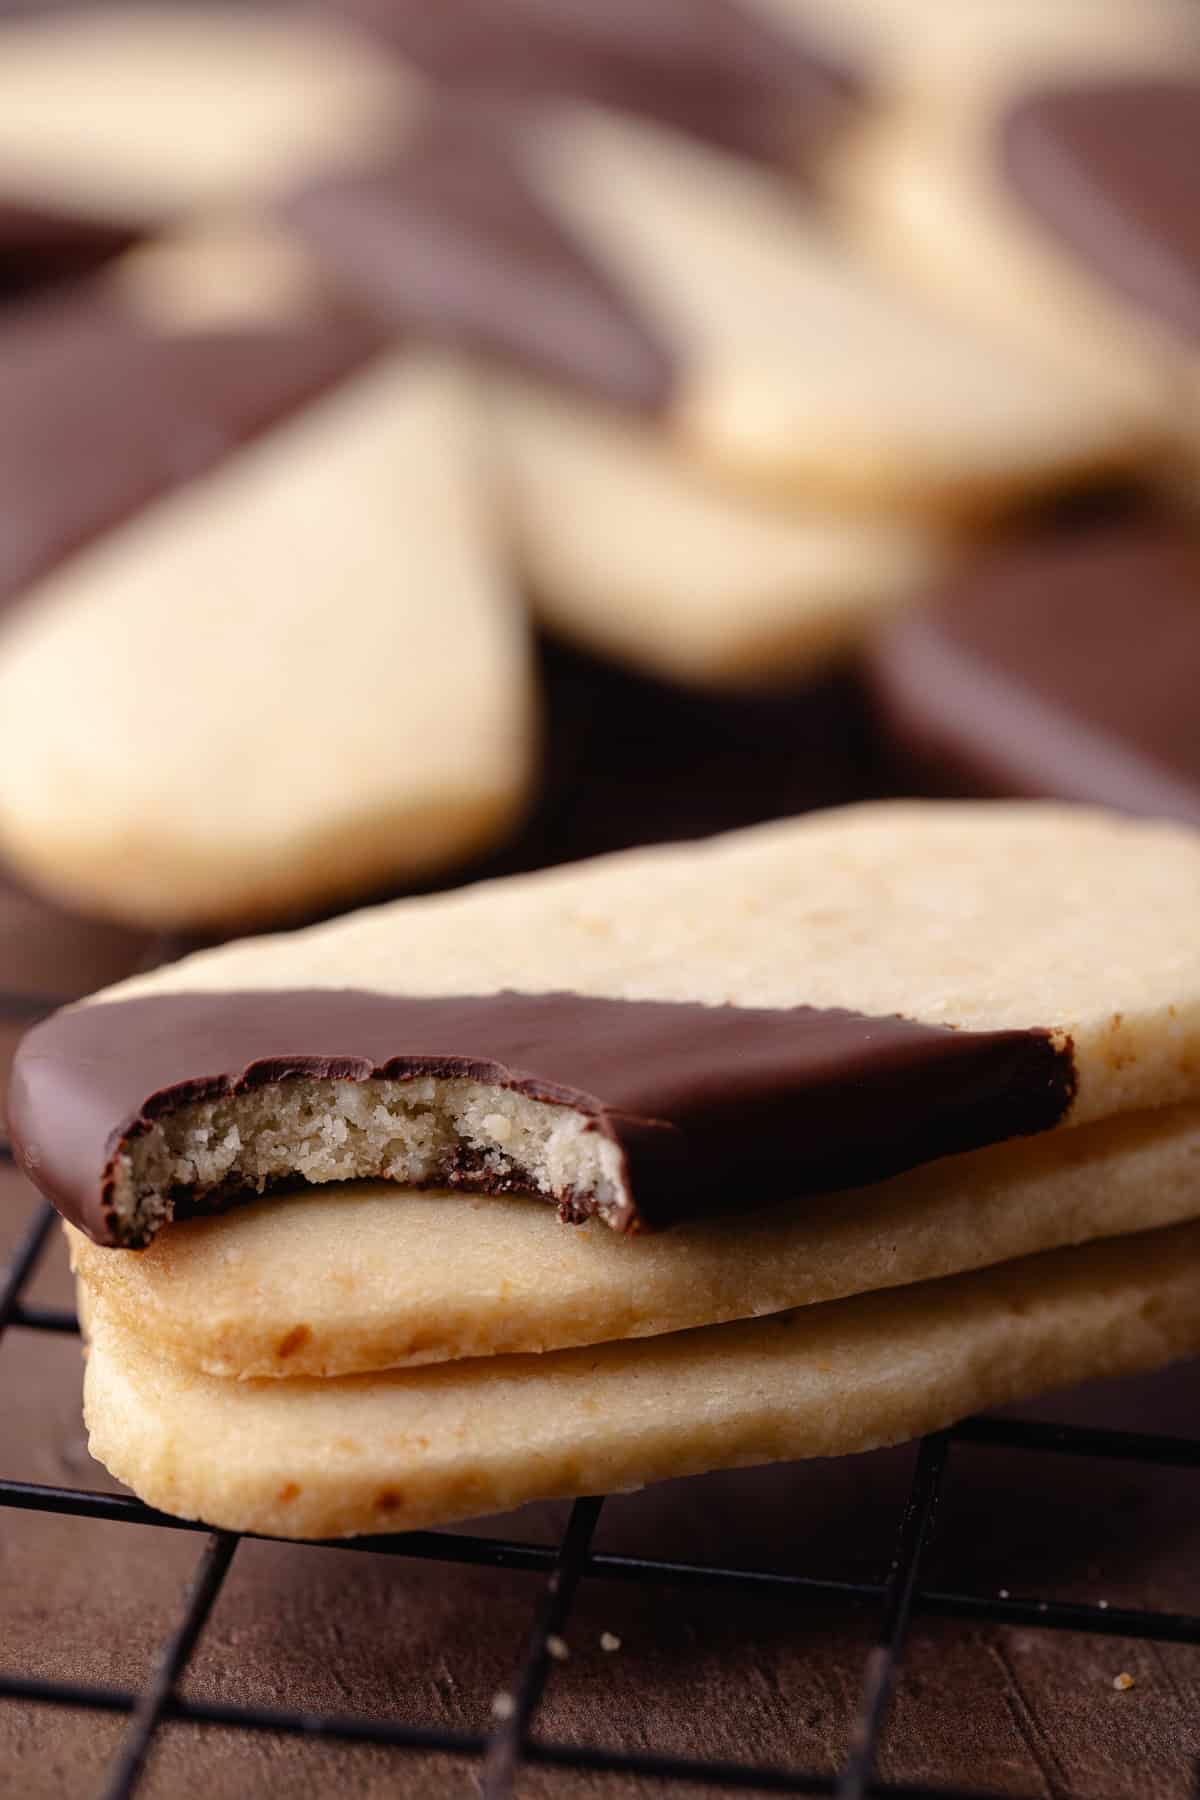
513, 1739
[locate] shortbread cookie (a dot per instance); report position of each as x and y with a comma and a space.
1061, 219
801, 371
193, 726
913, 412
722, 69
229, 270
449, 239
629, 552
1061, 667
927, 54
808, 1005
1110, 169
150, 112
165, 404
350, 1280
759, 344
395, 1452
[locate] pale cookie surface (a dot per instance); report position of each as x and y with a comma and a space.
925, 195
800, 370
152, 112
928, 53
986, 916
300, 674
394, 1453
631, 552
226, 269
356, 1279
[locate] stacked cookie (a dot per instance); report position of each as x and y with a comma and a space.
872, 1119
476, 308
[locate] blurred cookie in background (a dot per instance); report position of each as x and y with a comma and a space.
438, 331
722, 70
144, 113
1052, 200
260, 651
1059, 667
920, 52
769, 353
629, 552
115, 120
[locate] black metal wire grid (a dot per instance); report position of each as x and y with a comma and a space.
512, 1741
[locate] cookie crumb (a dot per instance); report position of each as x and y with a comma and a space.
1123, 1682
609, 1640
503, 1706
557, 1647
498, 1126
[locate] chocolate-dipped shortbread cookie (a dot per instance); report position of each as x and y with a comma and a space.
1061, 214
195, 729
652, 1037
922, 53
626, 547
724, 70
698, 290
1060, 667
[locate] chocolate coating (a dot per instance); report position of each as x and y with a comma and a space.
102, 414
449, 239
1058, 668
711, 67
714, 1108
41, 244
1114, 170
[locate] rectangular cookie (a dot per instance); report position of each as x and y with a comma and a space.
396, 1452
354, 1279
652, 1037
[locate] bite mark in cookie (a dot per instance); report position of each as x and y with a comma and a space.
639, 1112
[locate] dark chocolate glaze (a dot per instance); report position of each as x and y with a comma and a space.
714, 1108
1057, 668
449, 239
40, 245
103, 414
710, 67
1114, 170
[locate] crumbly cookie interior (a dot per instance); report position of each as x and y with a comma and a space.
424, 1132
